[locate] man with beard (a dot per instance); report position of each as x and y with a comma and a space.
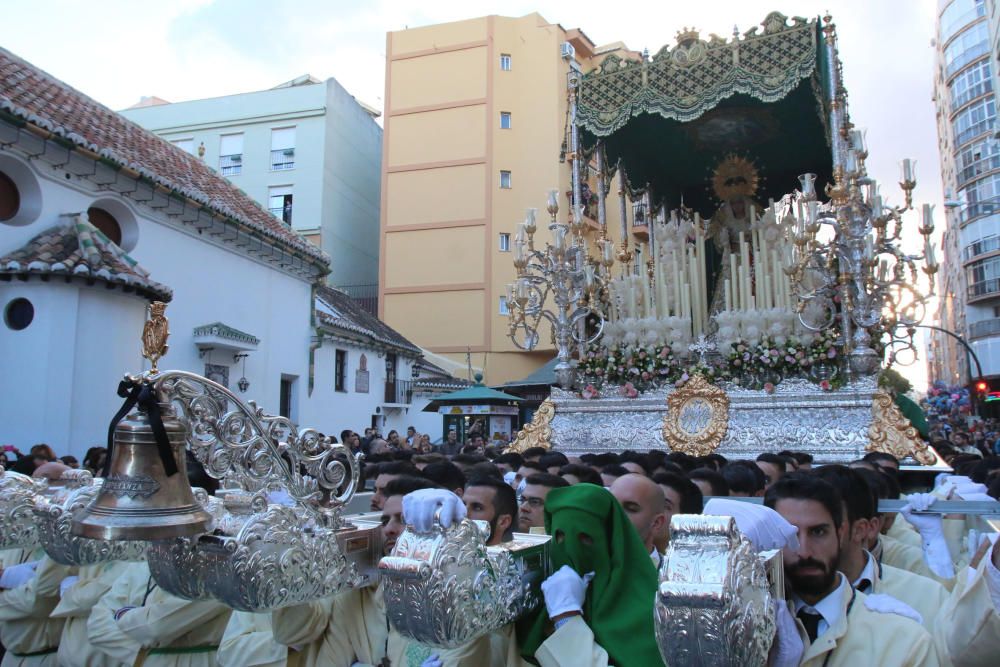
491, 500
839, 626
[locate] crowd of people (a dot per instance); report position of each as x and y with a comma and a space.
865, 587
954, 428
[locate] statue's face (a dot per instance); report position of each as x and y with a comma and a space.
739, 207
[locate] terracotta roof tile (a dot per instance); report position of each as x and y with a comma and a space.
336, 309
40, 99
78, 249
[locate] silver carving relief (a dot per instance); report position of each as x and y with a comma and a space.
831, 425
445, 588
17, 499
714, 604
54, 518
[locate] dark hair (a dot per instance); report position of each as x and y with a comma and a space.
807, 486
615, 470
545, 479
891, 483
638, 459
685, 461
93, 457
397, 468
345, 434
447, 475
715, 480
583, 473
553, 459
980, 472
407, 484
800, 457
692, 502
853, 488
534, 451
531, 465
430, 457
513, 459
485, 469
504, 500
469, 459
776, 459
879, 456
711, 461
744, 477
197, 476
68, 459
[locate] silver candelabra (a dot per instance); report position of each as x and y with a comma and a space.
858, 272
564, 269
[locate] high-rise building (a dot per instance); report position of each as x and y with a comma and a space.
969, 280
306, 150
476, 132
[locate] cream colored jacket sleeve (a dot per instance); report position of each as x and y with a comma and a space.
572, 645
973, 630
102, 629
81, 597
165, 618
249, 642
302, 623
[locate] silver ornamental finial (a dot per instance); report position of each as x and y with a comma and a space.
702, 347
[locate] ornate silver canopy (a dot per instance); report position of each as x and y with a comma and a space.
17, 498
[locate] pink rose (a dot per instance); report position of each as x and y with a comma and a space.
769, 387
825, 385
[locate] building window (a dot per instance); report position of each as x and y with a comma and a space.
970, 84
286, 397
503, 306
18, 314
106, 223
959, 14
505, 62
10, 197
504, 242
505, 180
340, 370
280, 202
186, 145
504, 120
231, 154
282, 148
974, 120
969, 45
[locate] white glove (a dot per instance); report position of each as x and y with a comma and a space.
509, 477
982, 497
16, 575
565, 591
420, 507
433, 660
67, 584
788, 647
765, 528
936, 553
921, 502
965, 490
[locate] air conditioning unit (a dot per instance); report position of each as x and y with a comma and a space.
567, 51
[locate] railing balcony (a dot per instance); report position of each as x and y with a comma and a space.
399, 392
283, 159
984, 328
231, 165
978, 168
974, 131
981, 247
283, 213
984, 289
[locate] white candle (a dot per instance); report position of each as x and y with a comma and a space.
908, 166
869, 246
928, 215
734, 287
727, 290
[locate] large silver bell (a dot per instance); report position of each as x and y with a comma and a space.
138, 500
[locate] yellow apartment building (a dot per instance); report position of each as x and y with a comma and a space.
475, 124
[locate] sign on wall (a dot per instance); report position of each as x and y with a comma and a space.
361, 379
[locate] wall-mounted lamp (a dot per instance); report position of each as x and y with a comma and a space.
242, 384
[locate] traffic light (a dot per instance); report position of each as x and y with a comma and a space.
982, 388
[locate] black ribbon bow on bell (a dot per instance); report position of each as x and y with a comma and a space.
141, 394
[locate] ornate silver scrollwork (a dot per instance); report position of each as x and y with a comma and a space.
445, 588
54, 518
714, 605
17, 498
243, 443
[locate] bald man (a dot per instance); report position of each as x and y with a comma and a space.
644, 504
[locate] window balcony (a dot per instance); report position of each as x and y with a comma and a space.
985, 246
399, 392
283, 159
283, 213
984, 328
986, 289
231, 165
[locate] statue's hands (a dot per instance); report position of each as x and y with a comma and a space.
420, 507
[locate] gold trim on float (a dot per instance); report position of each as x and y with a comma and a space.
154, 334
892, 433
537, 432
686, 426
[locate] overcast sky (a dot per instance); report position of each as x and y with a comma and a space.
119, 50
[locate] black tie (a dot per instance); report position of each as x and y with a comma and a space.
811, 622
864, 585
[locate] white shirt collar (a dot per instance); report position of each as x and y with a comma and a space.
868, 573
656, 557
830, 608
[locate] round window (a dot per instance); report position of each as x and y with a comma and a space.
10, 198
105, 222
18, 314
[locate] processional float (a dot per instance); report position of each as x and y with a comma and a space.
801, 266
714, 322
